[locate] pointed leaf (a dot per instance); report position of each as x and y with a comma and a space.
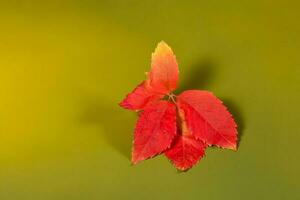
139, 98
185, 152
154, 131
163, 75
208, 119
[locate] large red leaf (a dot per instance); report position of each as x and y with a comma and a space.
154, 131
139, 98
208, 119
163, 75
185, 152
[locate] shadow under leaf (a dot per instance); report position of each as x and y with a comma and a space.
116, 123
238, 117
200, 75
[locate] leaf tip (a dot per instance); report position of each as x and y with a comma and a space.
162, 42
163, 48
135, 160
232, 147
124, 104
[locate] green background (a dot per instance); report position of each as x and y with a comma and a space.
64, 66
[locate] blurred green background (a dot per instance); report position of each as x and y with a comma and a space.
64, 66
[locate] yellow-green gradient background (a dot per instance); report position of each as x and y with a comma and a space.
64, 66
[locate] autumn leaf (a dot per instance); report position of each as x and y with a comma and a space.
161, 79
185, 152
163, 75
154, 130
208, 119
139, 98
180, 127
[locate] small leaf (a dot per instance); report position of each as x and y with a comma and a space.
163, 75
154, 131
139, 98
208, 119
185, 152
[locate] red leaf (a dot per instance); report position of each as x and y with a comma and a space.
139, 98
163, 75
185, 152
208, 119
203, 119
161, 80
154, 131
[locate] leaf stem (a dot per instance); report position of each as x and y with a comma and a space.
172, 97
